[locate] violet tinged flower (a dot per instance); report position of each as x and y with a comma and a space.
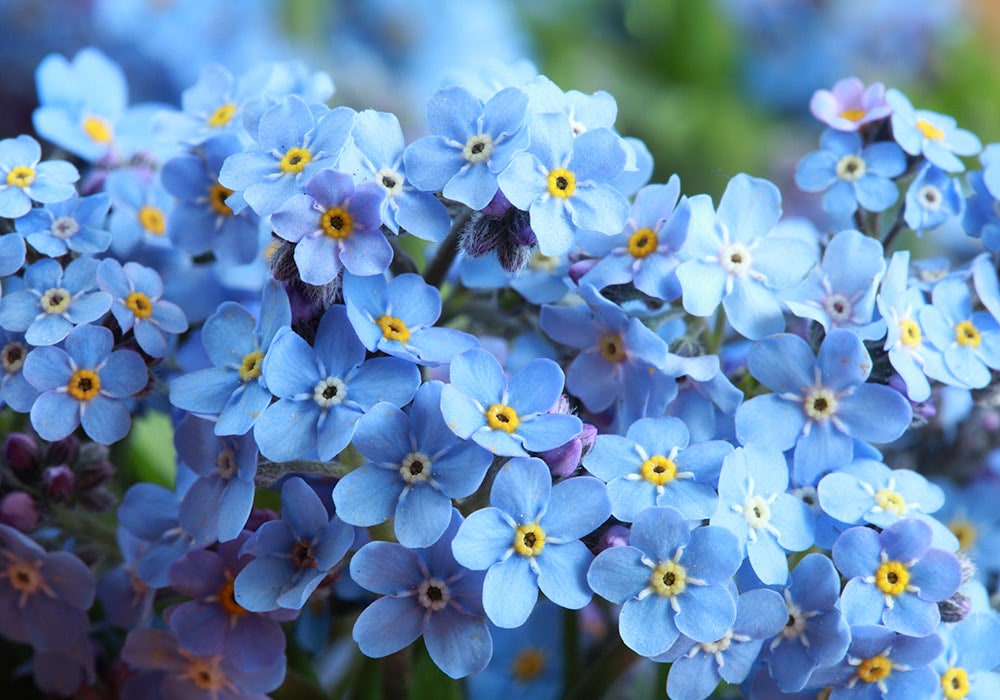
234, 390
397, 317
137, 305
968, 340
895, 577
507, 417
820, 404
425, 592
654, 464
732, 257
529, 539
78, 224
44, 596
935, 136
670, 580
84, 384
415, 467
125, 598
323, 390
292, 555
54, 301
850, 105
64, 671
470, 144
23, 179
334, 225
933, 197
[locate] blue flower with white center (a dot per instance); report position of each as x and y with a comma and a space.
291, 555
698, 667
470, 143
293, 144
84, 384
425, 592
850, 174
563, 182
508, 418
414, 467
732, 257
654, 465
234, 389
54, 301
324, 390
334, 226
895, 577
820, 404
78, 224
217, 504
201, 221
397, 317
140, 211
969, 340
935, 136
967, 668
933, 197
136, 304
840, 292
645, 253
23, 179
670, 580
755, 506
375, 154
814, 633
529, 539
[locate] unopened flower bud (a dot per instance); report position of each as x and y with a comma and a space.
21, 452
614, 536
259, 516
90, 475
59, 482
956, 608
18, 510
63, 451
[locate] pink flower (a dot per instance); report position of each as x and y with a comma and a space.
850, 105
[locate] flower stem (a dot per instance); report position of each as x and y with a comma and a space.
438, 268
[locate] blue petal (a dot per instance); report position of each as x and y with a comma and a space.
388, 625
562, 574
510, 591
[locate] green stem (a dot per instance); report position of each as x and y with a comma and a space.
719, 332
438, 268
86, 525
595, 681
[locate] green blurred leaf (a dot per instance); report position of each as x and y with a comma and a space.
150, 449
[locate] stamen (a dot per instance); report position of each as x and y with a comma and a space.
562, 183
642, 243
139, 304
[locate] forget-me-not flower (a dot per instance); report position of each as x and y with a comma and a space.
933, 197
137, 305
78, 224
935, 136
24, 179
969, 340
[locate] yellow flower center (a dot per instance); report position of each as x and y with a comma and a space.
25, 577
500, 417
642, 243
891, 578
222, 115
909, 333
84, 385
965, 532
874, 669
612, 347
152, 219
217, 196
562, 183
56, 300
251, 365
336, 223
659, 470
205, 673
20, 176
955, 683
528, 664
393, 329
139, 304
529, 540
929, 130
855, 115
967, 334
295, 160
228, 600
97, 129
891, 501
668, 579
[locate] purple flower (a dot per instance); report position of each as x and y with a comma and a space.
850, 105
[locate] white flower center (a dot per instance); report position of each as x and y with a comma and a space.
415, 468
433, 594
329, 392
478, 148
64, 227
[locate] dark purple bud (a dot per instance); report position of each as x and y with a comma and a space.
92, 474
18, 510
614, 536
63, 451
956, 608
580, 268
563, 460
991, 421
259, 516
21, 452
59, 482
498, 206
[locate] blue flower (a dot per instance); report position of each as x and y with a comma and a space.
471, 143
820, 404
562, 181
920, 131
529, 540
334, 225
971, 654
850, 174
213, 106
670, 580
136, 304
291, 555
731, 256
23, 179
415, 466
84, 384
15, 390
234, 390
506, 417
895, 577
293, 144
982, 213
324, 390
77, 224
140, 211
755, 506
969, 340
425, 592
933, 197
654, 465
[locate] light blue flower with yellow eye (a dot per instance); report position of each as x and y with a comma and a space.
936, 136
969, 340
25, 179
